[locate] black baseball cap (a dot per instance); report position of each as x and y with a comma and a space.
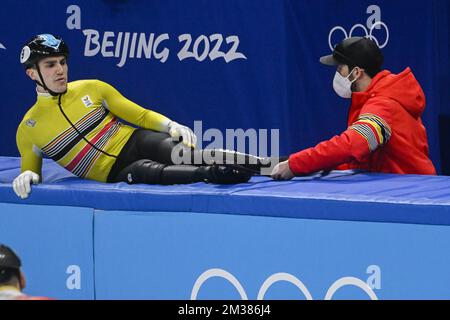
8, 258
356, 51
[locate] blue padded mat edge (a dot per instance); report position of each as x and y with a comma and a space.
341, 195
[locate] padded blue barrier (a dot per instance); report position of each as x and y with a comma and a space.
55, 246
162, 255
356, 196
378, 235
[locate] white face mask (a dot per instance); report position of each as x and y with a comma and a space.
342, 85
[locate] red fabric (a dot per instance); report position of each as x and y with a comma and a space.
400, 101
25, 297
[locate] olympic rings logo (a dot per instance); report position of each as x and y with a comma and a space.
277, 277
368, 32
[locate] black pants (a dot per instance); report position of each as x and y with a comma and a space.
147, 158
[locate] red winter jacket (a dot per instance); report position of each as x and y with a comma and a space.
385, 132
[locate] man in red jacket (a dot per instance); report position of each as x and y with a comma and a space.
385, 132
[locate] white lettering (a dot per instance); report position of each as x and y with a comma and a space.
107, 44
190, 310
124, 45
124, 50
164, 54
374, 281
133, 44
73, 282
74, 20
91, 37
375, 17
144, 45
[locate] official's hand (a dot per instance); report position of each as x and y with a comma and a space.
177, 130
282, 171
22, 183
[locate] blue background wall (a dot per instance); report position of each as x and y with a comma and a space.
281, 83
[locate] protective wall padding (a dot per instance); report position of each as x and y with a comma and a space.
179, 255
55, 244
341, 195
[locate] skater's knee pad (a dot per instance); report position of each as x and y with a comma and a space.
143, 171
